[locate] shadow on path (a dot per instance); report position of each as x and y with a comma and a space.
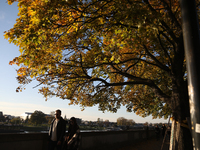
151, 144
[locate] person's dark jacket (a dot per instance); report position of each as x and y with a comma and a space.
60, 129
163, 130
74, 137
72, 130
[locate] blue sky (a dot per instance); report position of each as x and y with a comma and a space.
29, 100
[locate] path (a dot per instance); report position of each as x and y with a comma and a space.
151, 144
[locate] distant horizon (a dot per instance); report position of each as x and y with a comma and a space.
88, 120
63, 115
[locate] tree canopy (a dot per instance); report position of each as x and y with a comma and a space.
102, 52
121, 121
107, 53
37, 118
16, 120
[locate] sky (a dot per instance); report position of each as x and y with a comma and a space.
16, 103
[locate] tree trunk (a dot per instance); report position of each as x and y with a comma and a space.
182, 139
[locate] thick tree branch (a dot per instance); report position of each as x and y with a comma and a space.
147, 82
162, 22
164, 49
163, 67
171, 14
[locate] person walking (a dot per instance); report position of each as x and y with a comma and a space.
57, 132
72, 139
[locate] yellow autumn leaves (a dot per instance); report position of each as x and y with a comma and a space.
93, 52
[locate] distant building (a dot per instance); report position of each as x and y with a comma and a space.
25, 115
9, 117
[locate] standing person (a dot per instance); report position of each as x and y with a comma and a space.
163, 130
57, 131
147, 131
168, 132
157, 131
72, 138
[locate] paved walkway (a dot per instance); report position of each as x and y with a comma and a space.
151, 144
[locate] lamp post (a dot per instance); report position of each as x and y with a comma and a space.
191, 37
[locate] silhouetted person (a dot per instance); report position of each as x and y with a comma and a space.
169, 131
157, 131
163, 130
72, 139
147, 132
57, 131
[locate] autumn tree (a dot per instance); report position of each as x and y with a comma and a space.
130, 122
2, 118
16, 120
49, 119
106, 122
26, 120
99, 122
121, 121
37, 118
107, 53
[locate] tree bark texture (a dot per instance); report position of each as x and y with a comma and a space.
180, 109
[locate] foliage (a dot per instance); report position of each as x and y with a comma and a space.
106, 123
37, 118
16, 120
99, 122
49, 119
121, 121
26, 120
107, 53
2, 118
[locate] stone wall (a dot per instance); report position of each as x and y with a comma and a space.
89, 140
23, 141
